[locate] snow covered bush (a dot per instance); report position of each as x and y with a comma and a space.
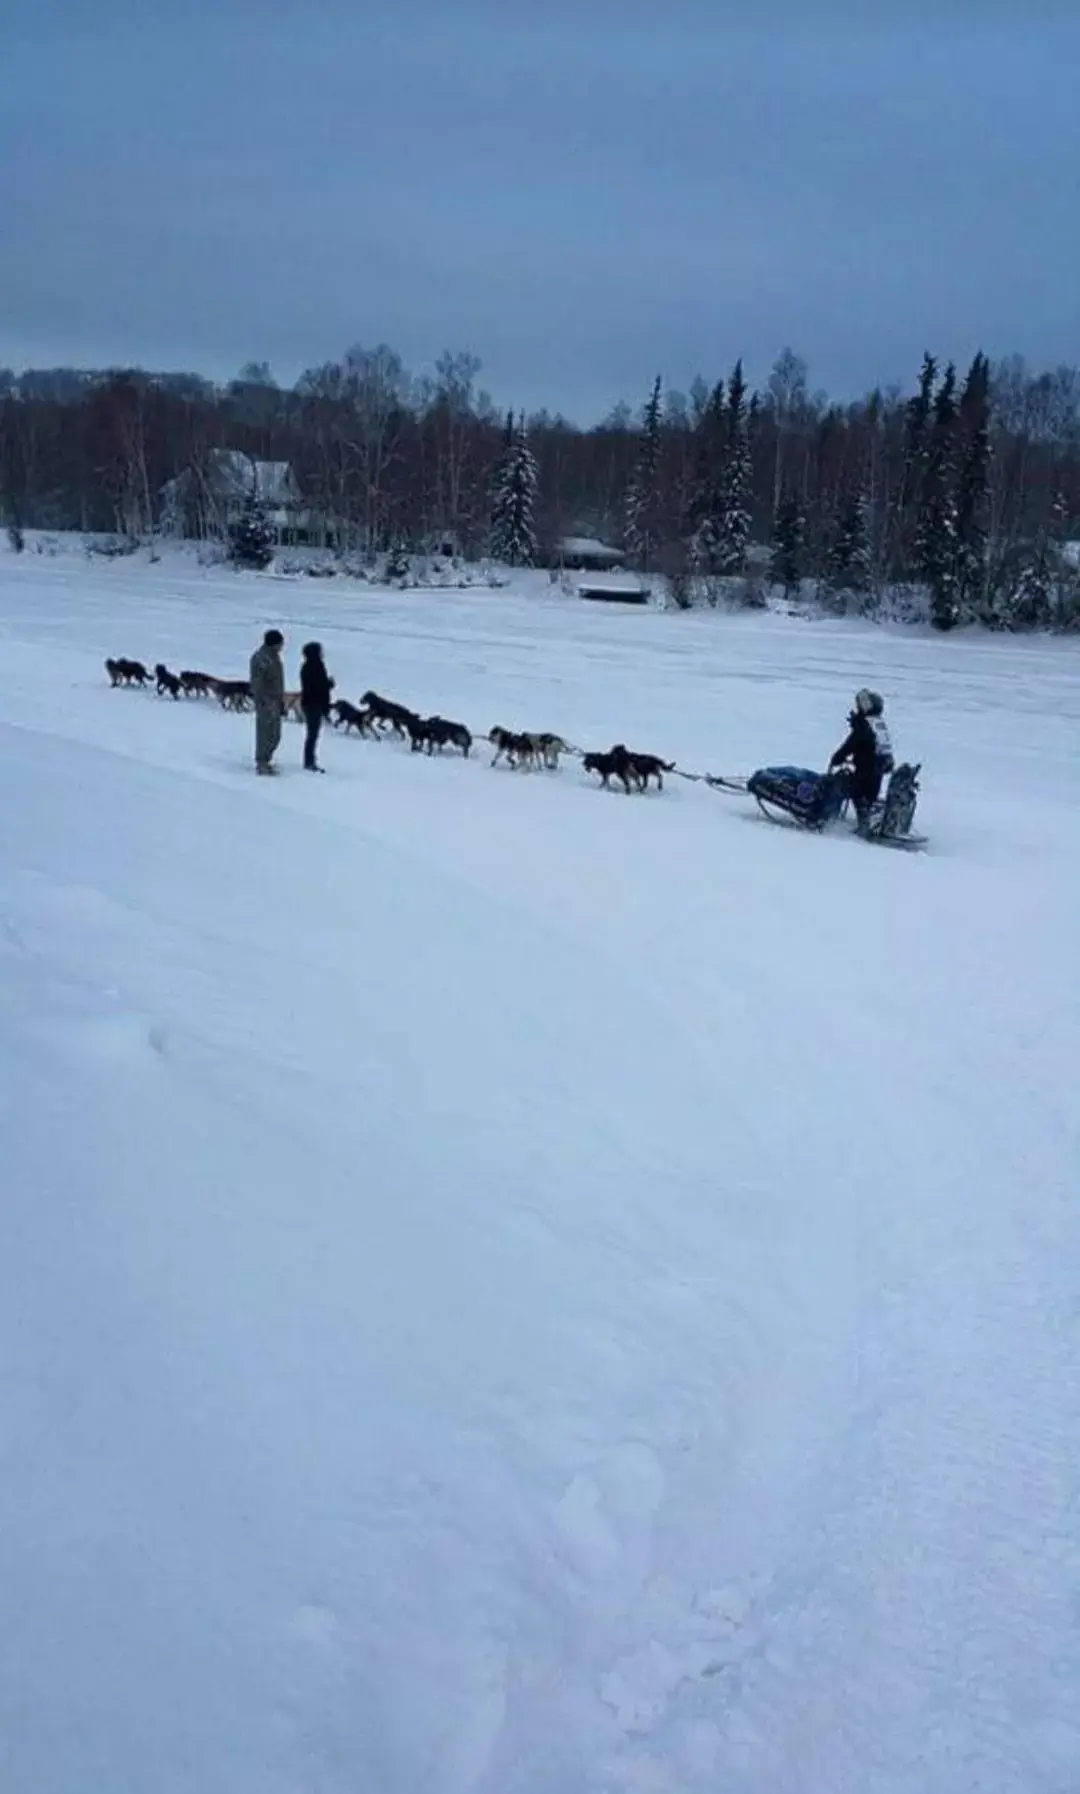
113, 548
749, 592
251, 540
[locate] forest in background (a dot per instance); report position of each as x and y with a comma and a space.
963, 492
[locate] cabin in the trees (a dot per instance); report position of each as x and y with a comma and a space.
213, 494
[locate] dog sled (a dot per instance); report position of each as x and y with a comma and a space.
795, 796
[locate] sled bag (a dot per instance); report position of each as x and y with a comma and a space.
812, 798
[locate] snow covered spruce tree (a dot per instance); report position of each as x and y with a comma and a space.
251, 539
847, 558
733, 520
936, 539
701, 521
973, 490
512, 535
1065, 595
644, 528
1040, 588
787, 551
1029, 603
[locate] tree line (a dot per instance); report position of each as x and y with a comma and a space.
965, 491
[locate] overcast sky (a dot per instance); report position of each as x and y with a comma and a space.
584, 192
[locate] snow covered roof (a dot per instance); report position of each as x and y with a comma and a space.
234, 475
612, 582
590, 545
240, 474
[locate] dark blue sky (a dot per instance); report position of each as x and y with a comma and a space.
584, 193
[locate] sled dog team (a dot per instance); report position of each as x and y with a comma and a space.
865, 753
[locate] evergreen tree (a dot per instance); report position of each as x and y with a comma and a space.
701, 522
973, 489
918, 411
1044, 592
936, 537
787, 551
909, 498
1066, 569
251, 539
1031, 602
847, 558
513, 535
498, 489
397, 565
643, 518
733, 509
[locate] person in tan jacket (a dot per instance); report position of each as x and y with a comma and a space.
268, 690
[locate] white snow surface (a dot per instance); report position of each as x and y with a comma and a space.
511, 1289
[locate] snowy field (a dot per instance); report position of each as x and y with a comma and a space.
510, 1289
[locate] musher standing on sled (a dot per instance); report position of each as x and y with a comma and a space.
869, 750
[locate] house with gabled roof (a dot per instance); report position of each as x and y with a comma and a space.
214, 493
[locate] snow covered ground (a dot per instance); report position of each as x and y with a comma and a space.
507, 1289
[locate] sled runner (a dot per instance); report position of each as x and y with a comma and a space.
812, 800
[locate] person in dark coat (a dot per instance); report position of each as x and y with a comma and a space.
868, 751
316, 686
